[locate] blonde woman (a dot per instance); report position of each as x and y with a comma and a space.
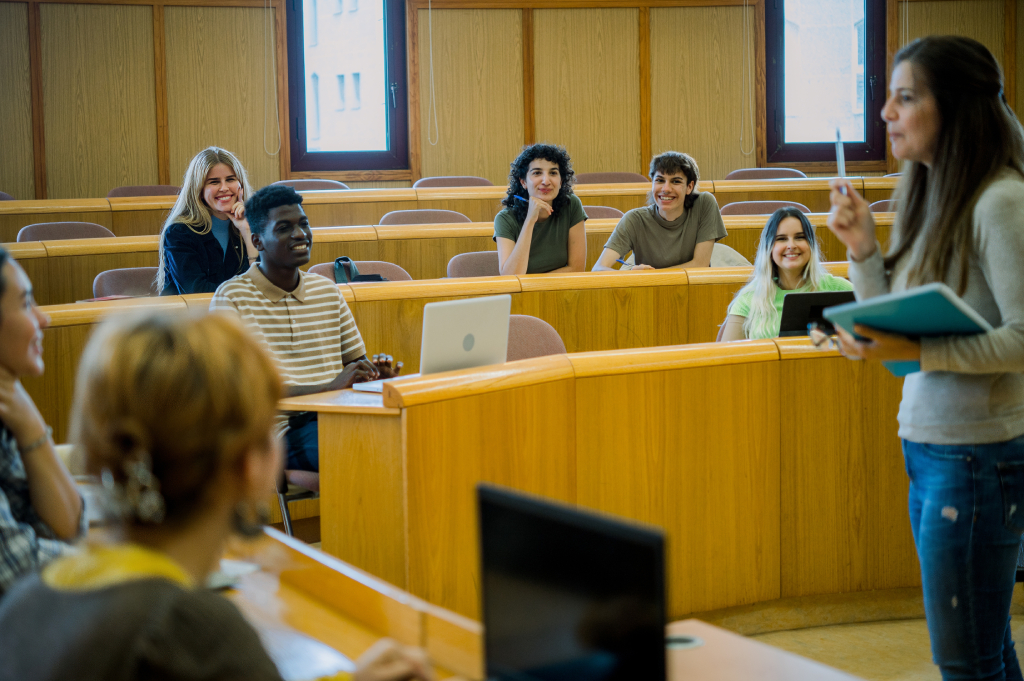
205, 240
788, 260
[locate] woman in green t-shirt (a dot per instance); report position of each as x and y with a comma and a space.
788, 259
541, 228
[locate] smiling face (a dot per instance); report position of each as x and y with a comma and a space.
21, 324
543, 180
221, 190
670, 191
911, 115
286, 240
791, 251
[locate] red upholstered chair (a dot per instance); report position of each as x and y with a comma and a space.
295, 486
389, 271
312, 185
883, 206
426, 216
531, 337
609, 178
58, 231
138, 282
453, 181
764, 174
4, 196
761, 207
601, 212
144, 190
478, 264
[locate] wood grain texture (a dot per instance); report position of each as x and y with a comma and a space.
163, 158
1010, 52
38, 122
412, 54
17, 176
644, 36
698, 74
587, 86
529, 92
11, 223
978, 19
99, 98
428, 258
1019, 80
478, 92
202, 43
70, 278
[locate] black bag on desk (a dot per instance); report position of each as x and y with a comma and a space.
345, 271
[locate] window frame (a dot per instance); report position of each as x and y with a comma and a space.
873, 149
397, 157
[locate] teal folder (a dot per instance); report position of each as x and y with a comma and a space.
922, 312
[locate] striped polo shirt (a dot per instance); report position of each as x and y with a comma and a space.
310, 331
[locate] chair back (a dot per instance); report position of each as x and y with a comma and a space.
312, 185
609, 178
760, 207
4, 196
531, 337
138, 282
452, 181
388, 270
893, 175
602, 212
764, 174
424, 216
726, 256
478, 264
144, 190
58, 231
883, 206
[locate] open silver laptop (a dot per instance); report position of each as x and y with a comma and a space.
459, 334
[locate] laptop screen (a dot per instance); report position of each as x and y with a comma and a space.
569, 594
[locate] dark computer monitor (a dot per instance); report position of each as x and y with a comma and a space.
569, 594
800, 309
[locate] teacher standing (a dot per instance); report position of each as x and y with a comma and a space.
960, 220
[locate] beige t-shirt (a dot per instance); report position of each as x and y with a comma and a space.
659, 243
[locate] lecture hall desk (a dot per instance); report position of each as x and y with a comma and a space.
774, 468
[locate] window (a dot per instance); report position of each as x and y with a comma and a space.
826, 71
339, 6
368, 129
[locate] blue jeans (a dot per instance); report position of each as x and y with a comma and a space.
967, 514
302, 443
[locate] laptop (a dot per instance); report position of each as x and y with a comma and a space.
459, 334
569, 594
800, 309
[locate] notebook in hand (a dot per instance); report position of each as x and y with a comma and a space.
923, 312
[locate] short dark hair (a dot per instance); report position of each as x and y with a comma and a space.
259, 205
676, 162
521, 166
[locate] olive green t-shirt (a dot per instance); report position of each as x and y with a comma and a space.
549, 248
659, 243
740, 306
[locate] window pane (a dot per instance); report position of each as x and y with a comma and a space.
824, 43
349, 45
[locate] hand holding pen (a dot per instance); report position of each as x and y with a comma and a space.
537, 210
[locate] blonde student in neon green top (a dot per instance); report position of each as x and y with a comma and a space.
788, 260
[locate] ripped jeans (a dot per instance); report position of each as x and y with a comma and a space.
967, 514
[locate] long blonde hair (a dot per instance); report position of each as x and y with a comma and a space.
190, 209
763, 317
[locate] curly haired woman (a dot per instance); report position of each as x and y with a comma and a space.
541, 228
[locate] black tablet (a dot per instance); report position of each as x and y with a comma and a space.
800, 309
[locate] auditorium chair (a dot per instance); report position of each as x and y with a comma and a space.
883, 206
602, 212
58, 231
609, 178
388, 270
144, 190
138, 282
478, 264
4, 196
726, 256
530, 337
295, 486
312, 185
423, 216
760, 207
892, 175
765, 174
452, 181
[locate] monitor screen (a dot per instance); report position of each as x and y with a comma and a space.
569, 594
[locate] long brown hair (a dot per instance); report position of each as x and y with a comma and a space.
978, 136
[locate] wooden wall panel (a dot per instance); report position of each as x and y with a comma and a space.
978, 19
1017, 106
697, 86
16, 166
587, 86
215, 90
478, 91
99, 98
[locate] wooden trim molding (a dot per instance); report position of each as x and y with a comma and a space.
284, 155
563, 4
760, 86
163, 141
892, 45
645, 86
354, 175
529, 110
412, 23
1010, 52
35, 61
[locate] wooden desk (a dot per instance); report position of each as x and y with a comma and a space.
878, 188
812, 192
16, 214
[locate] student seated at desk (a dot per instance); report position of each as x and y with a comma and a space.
185, 449
205, 240
40, 508
301, 317
541, 228
676, 230
788, 260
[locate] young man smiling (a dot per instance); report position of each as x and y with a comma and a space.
302, 318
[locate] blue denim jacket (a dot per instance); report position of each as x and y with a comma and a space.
196, 263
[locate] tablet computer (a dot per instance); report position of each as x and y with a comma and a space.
800, 309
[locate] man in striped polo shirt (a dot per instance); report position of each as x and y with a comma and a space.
302, 318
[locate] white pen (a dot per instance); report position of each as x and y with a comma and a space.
840, 159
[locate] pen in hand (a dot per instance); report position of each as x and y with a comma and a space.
840, 160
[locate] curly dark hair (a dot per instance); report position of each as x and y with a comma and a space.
519, 168
259, 205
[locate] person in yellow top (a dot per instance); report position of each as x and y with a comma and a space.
174, 414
